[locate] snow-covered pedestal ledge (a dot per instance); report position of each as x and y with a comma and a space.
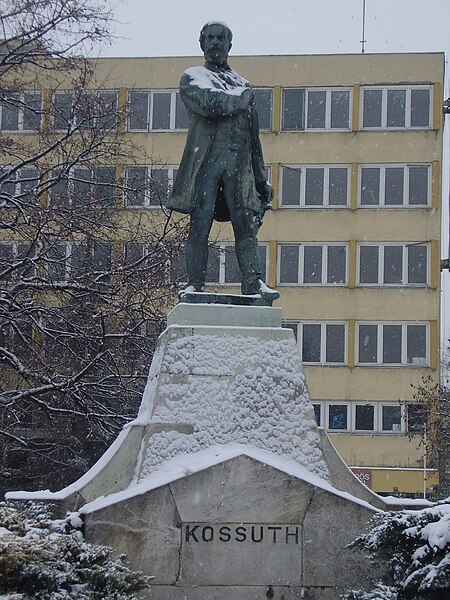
224, 471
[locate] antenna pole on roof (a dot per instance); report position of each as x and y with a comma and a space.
363, 40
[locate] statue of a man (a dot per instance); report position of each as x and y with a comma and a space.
222, 174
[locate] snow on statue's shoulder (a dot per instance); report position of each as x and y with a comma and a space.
223, 81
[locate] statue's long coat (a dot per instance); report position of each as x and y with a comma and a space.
212, 99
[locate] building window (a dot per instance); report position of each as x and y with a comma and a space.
156, 111
314, 186
86, 111
17, 261
391, 417
316, 109
72, 260
304, 264
21, 112
416, 417
83, 187
364, 417
392, 344
394, 185
389, 264
264, 106
18, 186
318, 413
222, 265
321, 343
396, 107
148, 186
338, 417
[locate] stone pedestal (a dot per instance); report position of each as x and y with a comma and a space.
224, 486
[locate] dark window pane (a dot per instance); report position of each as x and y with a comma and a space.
104, 188
102, 257
337, 416
418, 185
161, 111
368, 343
293, 102
393, 195
335, 348
7, 186
290, 187
336, 264
136, 186
10, 114
57, 262
181, 113
6, 261
28, 180
159, 187
106, 110
417, 264
372, 108
340, 103
314, 187
312, 270
311, 336
25, 254
178, 267
396, 106
316, 109
289, 262
81, 187
134, 251
317, 413
364, 417
392, 344
337, 194
391, 418
138, 118
59, 192
292, 326
79, 260
62, 106
416, 344
232, 272
212, 270
263, 102
32, 111
393, 264
420, 108
368, 264
370, 186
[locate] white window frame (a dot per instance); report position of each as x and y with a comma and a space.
384, 90
171, 170
172, 109
300, 274
381, 249
326, 187
351, 416
382, 191
18, 192
424, 362
266, 89
298, 327
71, 182
69, 250
328, 91
97, 93
20, 126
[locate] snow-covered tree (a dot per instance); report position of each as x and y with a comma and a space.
79, 310
414, 545
46, 559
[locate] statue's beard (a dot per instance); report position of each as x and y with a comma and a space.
215, 56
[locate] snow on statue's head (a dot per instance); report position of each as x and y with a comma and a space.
227, 30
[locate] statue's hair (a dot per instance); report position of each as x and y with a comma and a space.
205, 27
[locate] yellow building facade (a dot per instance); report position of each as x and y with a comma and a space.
353, 148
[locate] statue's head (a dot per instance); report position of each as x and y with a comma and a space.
215, 41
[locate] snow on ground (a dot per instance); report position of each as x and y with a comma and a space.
233, 388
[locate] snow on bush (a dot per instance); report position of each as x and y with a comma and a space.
46, 559
415, 544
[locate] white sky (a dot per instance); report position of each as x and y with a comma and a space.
171, 28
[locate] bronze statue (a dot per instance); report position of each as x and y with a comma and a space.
222, 174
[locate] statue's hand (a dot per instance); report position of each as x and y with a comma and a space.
266, 194
246, 99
